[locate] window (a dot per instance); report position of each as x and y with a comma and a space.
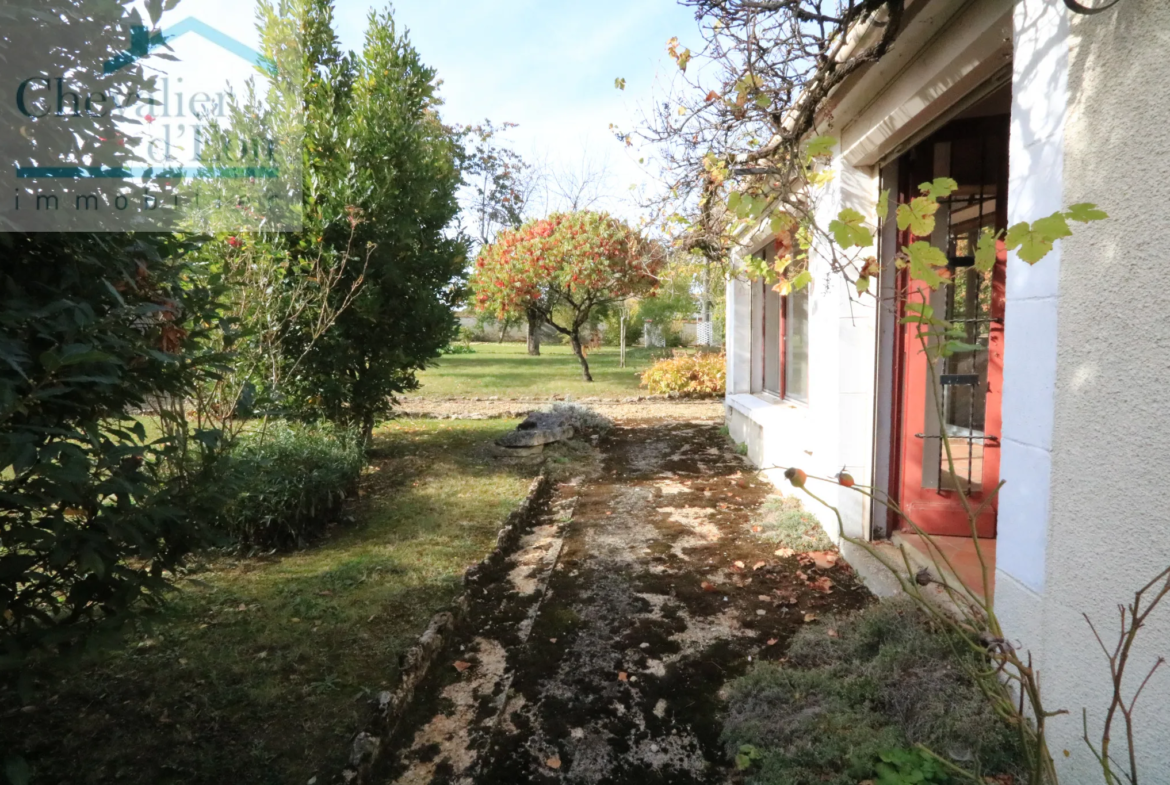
783, 330
796, 345
773, 340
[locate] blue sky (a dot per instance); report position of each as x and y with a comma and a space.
547, 65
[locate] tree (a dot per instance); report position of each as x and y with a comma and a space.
94, 329
502, 186
569, 263
375, 142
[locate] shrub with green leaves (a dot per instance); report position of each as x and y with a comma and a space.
697, 374
847, 705
288, 484
94, 509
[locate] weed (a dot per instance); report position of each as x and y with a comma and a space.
785, 521
858, 688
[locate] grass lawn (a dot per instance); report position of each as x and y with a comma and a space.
506, 370
260, 669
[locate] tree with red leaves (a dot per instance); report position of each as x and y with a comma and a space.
578, 261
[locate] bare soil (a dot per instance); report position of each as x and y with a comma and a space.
619, 409
599, 652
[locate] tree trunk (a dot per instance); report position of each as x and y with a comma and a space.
534, 325
504, 330
575, 341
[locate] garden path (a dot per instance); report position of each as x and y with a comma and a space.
600, 653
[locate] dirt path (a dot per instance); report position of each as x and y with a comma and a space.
631, 408
598, 653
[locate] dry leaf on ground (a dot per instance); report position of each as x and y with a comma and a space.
822, 584
461, 666
553, 763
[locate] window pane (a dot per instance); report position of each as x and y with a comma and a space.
772, 304
796, 346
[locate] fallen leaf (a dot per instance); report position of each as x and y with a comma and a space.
461, 666
824, 559
787, 596
802, 575
773, 641
739, 566
784, 553
553, 763
623, 676
764, 598
708, 586
810, 617
822, 584
757, 529
834, 634
759, 565
552, 640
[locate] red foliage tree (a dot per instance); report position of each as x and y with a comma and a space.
578, 260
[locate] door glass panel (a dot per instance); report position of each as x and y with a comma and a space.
963, 375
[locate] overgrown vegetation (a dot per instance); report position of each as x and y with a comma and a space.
699, 374
856, 695
784, 520
289, 482
328, 323
94, 511
260, 670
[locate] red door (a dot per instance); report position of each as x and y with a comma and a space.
963, 414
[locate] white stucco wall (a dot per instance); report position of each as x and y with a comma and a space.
1109, 529
835, 428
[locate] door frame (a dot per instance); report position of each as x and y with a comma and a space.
899, 177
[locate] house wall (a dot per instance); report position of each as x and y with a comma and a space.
950, 46
1101, 313
835, 428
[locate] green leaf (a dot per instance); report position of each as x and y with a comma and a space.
1033, 246
619, 83
800, 281
862, 284
987, 251
16, 769
763, 100
683, 59
924, 257
918, 215
820, 146
782, 222
733, 200
848, 230
883, 205
1084, 212
939, 188
1054, 226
